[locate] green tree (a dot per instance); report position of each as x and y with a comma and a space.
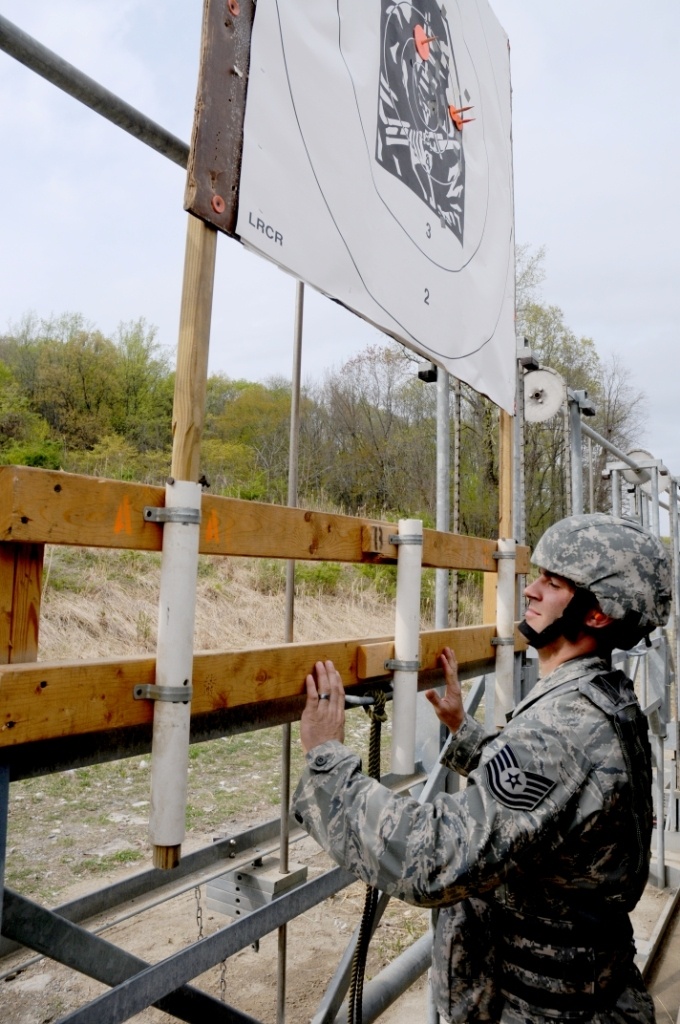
145, 383
18, 422
380, 437
619, 405
255, 417
77, 387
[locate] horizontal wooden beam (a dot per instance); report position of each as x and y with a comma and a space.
43, 701
471, 644
40, 506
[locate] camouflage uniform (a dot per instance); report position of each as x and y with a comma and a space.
529, 863
537, 862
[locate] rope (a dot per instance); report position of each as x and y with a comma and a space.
378, 714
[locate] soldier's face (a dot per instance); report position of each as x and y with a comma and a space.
547, 597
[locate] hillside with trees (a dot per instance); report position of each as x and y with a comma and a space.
73, 399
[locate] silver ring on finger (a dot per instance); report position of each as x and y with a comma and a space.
324, 696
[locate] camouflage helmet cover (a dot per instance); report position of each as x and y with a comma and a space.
625, 566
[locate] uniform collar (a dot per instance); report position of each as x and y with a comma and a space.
586, 665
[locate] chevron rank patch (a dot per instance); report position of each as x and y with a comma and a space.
511, 785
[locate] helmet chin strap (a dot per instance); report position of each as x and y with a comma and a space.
569, 624
546, 636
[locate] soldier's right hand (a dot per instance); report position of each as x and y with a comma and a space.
324, 715
449, 707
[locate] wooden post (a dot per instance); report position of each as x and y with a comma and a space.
20, 592
170, 747
505, 525
191, 377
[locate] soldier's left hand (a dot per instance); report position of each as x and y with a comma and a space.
449, 708
324, 715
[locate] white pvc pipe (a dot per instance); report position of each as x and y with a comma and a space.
406, 646
505, 630
174, 664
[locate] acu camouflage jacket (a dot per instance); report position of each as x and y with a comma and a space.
542, 845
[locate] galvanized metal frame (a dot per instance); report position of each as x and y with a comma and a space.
65, 76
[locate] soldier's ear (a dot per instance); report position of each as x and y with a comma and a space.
596, 619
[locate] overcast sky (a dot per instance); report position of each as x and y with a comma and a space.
92, 220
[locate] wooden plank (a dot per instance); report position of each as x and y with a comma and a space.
472, 644
522, 559
440, 550
217, 136
42, 506
46, 507
44, 701
20, 596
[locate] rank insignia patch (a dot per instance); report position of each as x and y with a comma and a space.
511, 785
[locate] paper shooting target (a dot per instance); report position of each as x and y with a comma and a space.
377, 167
418, 140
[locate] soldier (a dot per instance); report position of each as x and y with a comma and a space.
538, 861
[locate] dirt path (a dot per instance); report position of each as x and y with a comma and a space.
45, 991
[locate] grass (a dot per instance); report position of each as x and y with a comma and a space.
61, 825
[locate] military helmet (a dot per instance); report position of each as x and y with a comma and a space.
619, 561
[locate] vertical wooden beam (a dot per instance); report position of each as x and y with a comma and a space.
20, 592
505, 525
489, 591
188, 412
21, 568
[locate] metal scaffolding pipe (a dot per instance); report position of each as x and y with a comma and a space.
391, 983
289, 627
616, 492
65, 76
567, 463
4, 814
589, 432
591, 489
576, 458
436, 781
518, 517
654, 520
675, 551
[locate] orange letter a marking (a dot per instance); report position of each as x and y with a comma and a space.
123, 522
